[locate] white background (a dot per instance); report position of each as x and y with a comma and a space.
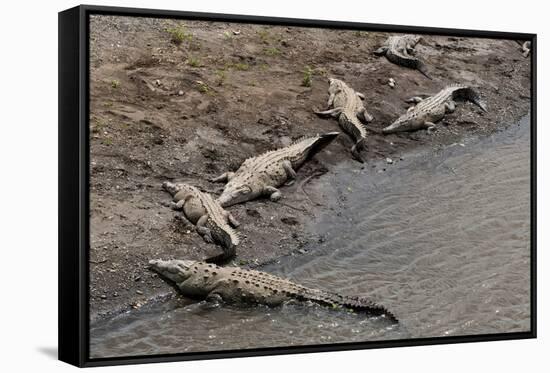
28, 156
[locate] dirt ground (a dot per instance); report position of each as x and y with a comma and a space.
162, 110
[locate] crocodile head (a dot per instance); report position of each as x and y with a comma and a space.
335, 85
174, 270
407, 122
236, 192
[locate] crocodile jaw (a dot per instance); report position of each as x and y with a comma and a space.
406, 123
174, 270
235, 194
394, 127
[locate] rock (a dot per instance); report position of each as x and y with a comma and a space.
389, 160
103, 296
139, 292
391, 82
290, 220
180, 93
253, 213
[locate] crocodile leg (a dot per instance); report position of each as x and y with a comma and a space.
203, 230
415, 100
430, 126
290, 173
364, 115
223, 178
178, 205
450, 106
231, 219
332, 112
214, 298
331, 100
274, 193
381, 51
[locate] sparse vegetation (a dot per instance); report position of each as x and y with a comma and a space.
194, 62
220, 75
272, 51
360, 33
264, 36
308, 75
115, 83
179, 34
240, 66
227, 35
203, 87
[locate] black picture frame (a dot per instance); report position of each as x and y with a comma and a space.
74, 184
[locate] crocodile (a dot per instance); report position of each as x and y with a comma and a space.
432, 109
261, 175
236, 285
526, 48
346, 105
398, 49
213, 223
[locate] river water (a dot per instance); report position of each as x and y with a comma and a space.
440, 238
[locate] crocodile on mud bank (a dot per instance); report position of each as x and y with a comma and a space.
346, 105
211, 220
398, 49
432, 109
261, 175
236, 285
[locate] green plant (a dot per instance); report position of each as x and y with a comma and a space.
227, 34
179, 34
240, 66
220, 74
264, 36
194, 62
203, 87
115, 83
272, 51
307, 77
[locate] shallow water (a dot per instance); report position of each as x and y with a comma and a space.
441, 238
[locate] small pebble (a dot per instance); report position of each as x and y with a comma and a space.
389, 160
139, 292
180, 93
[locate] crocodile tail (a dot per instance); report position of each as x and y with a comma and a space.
228, 238
469, 94
355, 149
356, 304
319, 143
364, 305
408, 61
421, 66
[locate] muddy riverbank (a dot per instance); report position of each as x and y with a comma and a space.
190, 111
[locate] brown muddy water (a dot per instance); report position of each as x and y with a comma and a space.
441, 238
